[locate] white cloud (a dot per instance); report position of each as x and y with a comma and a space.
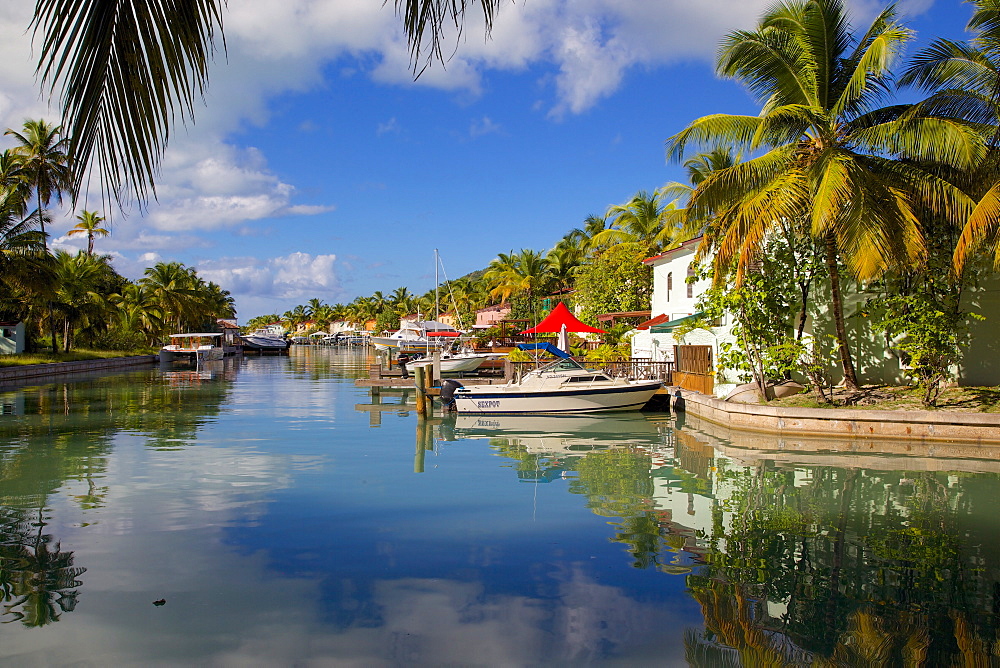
263, 286
484, 126
391, 125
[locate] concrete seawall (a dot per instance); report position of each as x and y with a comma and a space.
926, 427
29, 372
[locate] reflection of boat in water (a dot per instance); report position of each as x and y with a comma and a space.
562, 433
564, 386
197, 348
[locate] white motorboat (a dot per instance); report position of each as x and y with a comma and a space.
460, 362
197, 348
563, 386
266, 339
418, 336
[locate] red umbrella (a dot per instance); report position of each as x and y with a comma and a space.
560, 321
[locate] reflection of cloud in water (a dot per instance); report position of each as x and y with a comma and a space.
447, 622
207, 478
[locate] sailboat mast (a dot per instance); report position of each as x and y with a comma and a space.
436, 284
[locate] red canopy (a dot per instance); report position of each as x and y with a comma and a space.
555, 320
444, 333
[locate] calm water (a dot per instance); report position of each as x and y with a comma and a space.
267, 512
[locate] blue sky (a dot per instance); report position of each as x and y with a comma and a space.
318, 168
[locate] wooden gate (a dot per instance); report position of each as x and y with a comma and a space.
693, 368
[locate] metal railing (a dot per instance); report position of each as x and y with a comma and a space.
635, 368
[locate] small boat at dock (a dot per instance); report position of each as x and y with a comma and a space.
270, 339
194, 348
563, 386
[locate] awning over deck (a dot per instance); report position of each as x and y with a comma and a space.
668, 327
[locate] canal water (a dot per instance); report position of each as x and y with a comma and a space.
266, 512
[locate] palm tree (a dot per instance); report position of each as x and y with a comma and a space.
525, 273
138, 310
89, 221
826, 148
964, 79
77, 296
564, 262
171, 285
124, 72
640, 221
42, 159
581, 236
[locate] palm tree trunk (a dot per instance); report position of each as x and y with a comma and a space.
66, 331
847, 363
45, 245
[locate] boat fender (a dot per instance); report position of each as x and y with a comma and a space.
448, 388
678, 402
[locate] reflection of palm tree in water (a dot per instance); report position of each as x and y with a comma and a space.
37, 582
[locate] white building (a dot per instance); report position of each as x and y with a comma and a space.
12, 338
674, 302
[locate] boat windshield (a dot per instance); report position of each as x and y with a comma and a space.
563, 365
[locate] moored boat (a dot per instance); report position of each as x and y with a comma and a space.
460, 362
563, 386
266, 339
418, 337
194, 347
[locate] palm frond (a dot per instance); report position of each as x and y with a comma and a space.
870, 75
927, 139
951, 65
425, 21
725, 186
982, 227
124, 73
717, 130
768, 62
872, 218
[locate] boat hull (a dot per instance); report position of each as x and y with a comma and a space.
512, 399
265, 344
452, 364
191, 356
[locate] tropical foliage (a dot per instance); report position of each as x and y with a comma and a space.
80, 298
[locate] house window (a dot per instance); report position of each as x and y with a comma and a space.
670, 284
690, 282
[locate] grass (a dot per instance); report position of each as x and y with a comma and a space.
894, 398
24, 359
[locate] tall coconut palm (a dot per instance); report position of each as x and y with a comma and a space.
43, 161
89, 222
126, 72
826, 149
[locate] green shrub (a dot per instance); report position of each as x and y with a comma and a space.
118, 339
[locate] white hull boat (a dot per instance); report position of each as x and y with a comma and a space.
266, 339
418, 337
454, 362
560, 387
196, 348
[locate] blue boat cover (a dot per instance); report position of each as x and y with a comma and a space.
547, 347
